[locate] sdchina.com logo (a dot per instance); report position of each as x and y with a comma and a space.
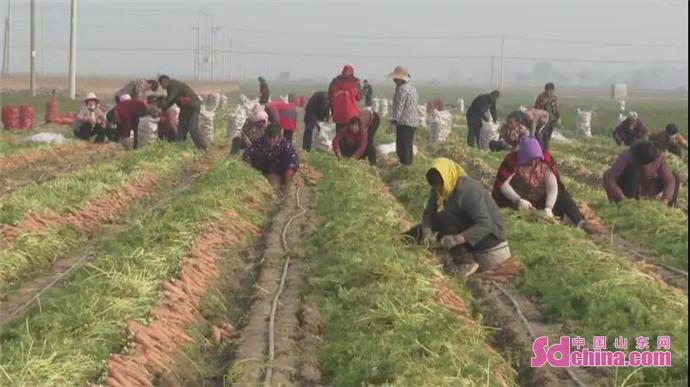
571, 352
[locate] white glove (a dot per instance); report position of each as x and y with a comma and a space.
524, 205
548, 212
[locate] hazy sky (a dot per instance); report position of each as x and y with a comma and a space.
147, 37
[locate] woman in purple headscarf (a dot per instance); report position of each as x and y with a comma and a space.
534, 185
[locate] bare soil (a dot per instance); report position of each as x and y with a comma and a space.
298, 327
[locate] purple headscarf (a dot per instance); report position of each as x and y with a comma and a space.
529, 150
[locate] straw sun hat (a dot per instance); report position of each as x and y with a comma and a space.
400, 73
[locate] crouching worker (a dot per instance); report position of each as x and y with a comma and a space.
528, 180
91, 120
641, 172
466, 219
252, 131
274, 156
670, 140
357, 139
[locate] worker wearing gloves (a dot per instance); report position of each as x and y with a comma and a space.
528, 180
467, 221
182, 95
274, 156
482, 109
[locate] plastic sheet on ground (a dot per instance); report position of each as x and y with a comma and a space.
386, 149
48, 137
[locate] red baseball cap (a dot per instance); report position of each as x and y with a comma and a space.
348, 70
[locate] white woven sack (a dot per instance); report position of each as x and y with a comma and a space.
489, 132
584, 123
148, 130
441, 125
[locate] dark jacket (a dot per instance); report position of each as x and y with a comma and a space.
481, 105
181, 94
624, 134
318, 107
471, 201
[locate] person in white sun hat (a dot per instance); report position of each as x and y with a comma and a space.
90, 120
630, 130
405, 117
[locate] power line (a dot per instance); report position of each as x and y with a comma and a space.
366, 56
396, 37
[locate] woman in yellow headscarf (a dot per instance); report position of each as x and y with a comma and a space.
465, 218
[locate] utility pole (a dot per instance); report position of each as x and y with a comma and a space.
230, 61
503, 60
73, 50
43, 44
198, 48
32, 59
222, 57
6, 47
212, 49
493, 68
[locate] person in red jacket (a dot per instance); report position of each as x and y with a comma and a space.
285, 115
357, 139
345, 91
126, 116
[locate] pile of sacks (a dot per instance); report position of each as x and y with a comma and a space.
441, 125
381, 106
584, 123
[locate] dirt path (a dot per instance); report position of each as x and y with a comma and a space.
18, 303
278, 343
517, 327
50, 168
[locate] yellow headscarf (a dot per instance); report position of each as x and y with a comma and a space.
450, 172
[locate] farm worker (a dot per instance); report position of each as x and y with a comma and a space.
528, 179
630, 130
252, 131
465, 217
169, 119
548, 101
137, 89
91, 120
190, 107
285, 116
368, 92
641, 172
405, 116
273, 156
344, 92
670, 140
318, 109
512, 132
357, 139
264, 91
537, 120
482, 109
125, 117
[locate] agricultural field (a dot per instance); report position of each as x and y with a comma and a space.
167, 266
